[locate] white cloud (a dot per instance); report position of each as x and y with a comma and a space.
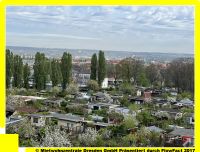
105, 23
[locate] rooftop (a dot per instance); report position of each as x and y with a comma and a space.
182, 132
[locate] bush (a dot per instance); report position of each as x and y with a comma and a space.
55, 90
72, 88
145, 118
38, 104
130, 122
62, 94
88, 138
124, 101
93, 85
127, 88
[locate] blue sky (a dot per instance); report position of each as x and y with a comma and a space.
128, 28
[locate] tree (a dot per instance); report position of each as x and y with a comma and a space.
72, 88
130, 122
40, 74
142, 79
48, 70
143, 137
116, 117
88, 138
9, 67
66, 68
55, 137
27, 133
56, 75
181, 74
127, 88
145, 118
113, 70
26, 76
101, 68
152, 72
130, 68
18, 71
93, 85
125, 68
93, 75
129, 140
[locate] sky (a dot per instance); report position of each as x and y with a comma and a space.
166, 29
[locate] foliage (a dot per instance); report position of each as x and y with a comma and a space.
55, 137
93, 75
55, 90
26, 75
142, 137
18, 71
145, 118
142, 79
130, 122
93, 85
156, 139
101, 68
37, 104
76, 110
130, 69
101, 112
127, 88
129, 140
9, 67
25, 131
40, 74
181, 74
124, 101
56, 75
88, 138
152, 72
72, 88
66, 68
116, 117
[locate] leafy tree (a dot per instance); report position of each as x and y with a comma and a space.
127, 88
142, 79
181, 74
101, 67
130, 69
142, 137
9, 67
113, 72
55, 137
27, 133
88, 138
124, 101
145, 118
18, 71
116, 117
156, 139
56, 75
129, 140
152, 72
130, 122
40, 74
66, 68
26, 76
93, 75
48, 70
93, 85
72, 88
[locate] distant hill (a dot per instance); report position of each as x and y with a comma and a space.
85, 53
